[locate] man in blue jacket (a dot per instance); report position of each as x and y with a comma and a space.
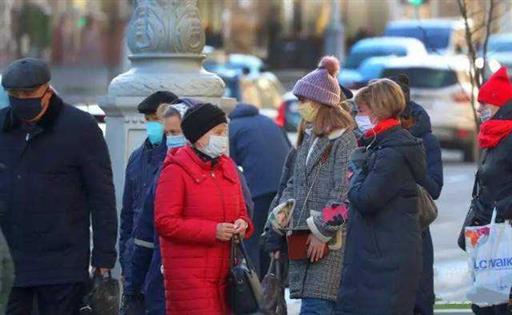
140, 171
260, 148
55, 178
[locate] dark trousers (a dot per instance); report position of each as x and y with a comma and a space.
60, 299
260, 258
491, 310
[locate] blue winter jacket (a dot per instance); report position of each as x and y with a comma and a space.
423, 129
259, 147
140, 171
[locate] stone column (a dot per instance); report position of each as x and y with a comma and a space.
165, 39
335, 33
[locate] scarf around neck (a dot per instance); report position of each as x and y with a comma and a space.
493, 131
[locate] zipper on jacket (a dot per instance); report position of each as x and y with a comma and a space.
212, 174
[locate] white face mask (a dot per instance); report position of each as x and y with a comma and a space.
364, 123
485, 115
217, 145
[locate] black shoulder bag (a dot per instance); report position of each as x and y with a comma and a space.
245, 294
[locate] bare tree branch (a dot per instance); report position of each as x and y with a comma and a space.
472, 57
486, 41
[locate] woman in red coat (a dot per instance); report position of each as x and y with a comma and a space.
199, 207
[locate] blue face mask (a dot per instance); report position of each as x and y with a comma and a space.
176, 141
155, 131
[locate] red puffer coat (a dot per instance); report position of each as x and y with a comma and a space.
191, 199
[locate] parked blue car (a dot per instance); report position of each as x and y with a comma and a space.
376, 47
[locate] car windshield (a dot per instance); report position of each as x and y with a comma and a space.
500, 46
371, 71
356, 57
434, 38
425, 78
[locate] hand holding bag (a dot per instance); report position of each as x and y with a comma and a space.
297, 240
244, 287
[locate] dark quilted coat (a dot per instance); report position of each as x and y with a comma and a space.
422, 129
55, 180
192, 197
383, 256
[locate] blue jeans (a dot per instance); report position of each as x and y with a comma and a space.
312, 306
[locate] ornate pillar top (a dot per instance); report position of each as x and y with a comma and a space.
165, 27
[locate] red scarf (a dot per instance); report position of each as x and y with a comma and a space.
381, 127
493, 131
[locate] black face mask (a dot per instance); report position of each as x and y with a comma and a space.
26, 109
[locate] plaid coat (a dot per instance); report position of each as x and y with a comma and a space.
320, 279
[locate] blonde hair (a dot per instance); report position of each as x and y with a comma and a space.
384, 98
328, 119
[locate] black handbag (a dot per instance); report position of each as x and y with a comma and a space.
474, 216
274, 301
103, 296
245, 294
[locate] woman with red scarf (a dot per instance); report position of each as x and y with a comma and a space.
495, 170
383, 258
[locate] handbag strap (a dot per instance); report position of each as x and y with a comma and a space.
323, 160
477, 175
240, 247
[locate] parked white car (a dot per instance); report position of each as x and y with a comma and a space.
441, 85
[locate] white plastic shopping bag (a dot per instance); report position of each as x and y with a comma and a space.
490, 260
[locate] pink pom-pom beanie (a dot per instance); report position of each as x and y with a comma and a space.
321, 85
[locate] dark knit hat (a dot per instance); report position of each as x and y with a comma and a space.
150, 104
200, 119
403, 81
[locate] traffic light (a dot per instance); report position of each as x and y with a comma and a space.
416, 3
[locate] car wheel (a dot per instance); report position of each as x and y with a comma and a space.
471, 152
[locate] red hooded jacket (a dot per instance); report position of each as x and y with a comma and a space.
191, 199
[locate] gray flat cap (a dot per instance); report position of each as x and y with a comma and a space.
26, 73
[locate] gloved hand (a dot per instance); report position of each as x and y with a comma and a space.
335, 215
358, 159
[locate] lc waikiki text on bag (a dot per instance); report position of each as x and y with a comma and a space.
490, 262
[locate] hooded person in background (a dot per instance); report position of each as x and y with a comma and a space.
55, 178
259, 147
494, 175
140, 171
415, 119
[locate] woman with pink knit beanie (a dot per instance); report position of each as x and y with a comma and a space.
317, 188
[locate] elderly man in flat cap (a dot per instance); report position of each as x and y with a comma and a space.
140, 173
55, 178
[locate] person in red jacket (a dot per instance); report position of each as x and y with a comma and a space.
199, 207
